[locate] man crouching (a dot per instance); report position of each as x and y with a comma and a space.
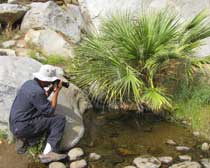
32, 114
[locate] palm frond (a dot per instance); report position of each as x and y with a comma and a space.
156, 99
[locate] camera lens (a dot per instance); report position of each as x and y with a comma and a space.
65, 84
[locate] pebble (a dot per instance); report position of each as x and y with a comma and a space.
182, 148
129, 167
146, 162
75, 154
12, 2
8, 44
57, 165
17, 36
205, 162
186, 164
185, 158
171, 142
165, 159
205, 146
196, 134
94, 156
78, 164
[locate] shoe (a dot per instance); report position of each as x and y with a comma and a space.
21, 146
51, 156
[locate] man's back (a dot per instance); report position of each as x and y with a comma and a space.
23, 108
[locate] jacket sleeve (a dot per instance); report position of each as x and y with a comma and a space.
42, 104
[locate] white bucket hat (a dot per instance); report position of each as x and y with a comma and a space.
46, 73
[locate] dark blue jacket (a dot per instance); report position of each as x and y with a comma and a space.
30, 102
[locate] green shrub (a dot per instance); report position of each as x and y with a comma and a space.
3, 135
131, 58
192, 103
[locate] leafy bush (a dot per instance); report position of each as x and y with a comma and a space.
131, 58
192, 103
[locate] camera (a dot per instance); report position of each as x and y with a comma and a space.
64, 84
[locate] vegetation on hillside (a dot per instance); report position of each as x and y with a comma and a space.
141, 59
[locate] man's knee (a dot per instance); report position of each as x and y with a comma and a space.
60, 119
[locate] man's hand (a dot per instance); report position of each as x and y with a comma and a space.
57, 87
56, 90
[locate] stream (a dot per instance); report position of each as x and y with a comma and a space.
119, 138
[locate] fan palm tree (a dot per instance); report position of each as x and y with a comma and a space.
130, 56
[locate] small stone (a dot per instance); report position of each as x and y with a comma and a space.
129, 167
57, 165
205, 146
12, 1
182, 148
8, 44
184, 122
16, 37
165, 159
196, 134
205, 162
75, 153
185, 158
7, 52
1, 142
170, 142
146, 161
78, 164
94, 156
186, 164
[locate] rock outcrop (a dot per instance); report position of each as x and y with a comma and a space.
71, 102
10, 13
50, 42
51, 16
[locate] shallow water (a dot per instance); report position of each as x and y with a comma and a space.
119, 138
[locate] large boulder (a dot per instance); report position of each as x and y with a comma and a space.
50, 15
71, 102
9, 13
98, 9
50, 42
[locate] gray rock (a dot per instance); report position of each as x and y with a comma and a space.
94, 156
51, 16
57, 165
78, 164
205, 162
185, 158
8, 44
7, 52
9, 13
74, 11
75, 154
71, 102
205, 146
146, 161
165, 159
186, 164
49, 42
182, 148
